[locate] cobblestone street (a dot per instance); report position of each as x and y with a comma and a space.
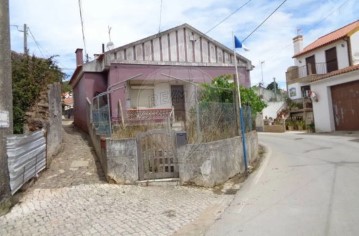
72, 198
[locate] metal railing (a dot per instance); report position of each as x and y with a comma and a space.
148, 114
307, 70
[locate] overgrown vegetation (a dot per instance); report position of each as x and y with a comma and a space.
217, 113
30, 76
222, 90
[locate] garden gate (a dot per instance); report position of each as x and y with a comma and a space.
157, 155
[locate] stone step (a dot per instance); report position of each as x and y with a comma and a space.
159, 182
178, 126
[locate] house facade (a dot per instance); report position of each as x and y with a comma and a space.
154, 77
326, 76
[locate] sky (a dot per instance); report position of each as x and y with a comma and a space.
55, 26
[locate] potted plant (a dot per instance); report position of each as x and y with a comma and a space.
290, 125
301, 124
311, 128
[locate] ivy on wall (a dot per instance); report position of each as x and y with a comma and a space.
30, 76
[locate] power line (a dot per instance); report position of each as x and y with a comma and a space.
264, 21
37, 44
227, 17
83, 30
319, 22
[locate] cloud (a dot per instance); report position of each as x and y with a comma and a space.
57, 28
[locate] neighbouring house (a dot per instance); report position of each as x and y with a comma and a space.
148, 79
325, 78
67, 104
275, 104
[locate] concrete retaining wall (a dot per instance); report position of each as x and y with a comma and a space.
122, 161
213, 163
54, 130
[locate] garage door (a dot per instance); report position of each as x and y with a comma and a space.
345, 99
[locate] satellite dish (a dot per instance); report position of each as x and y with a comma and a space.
110, 45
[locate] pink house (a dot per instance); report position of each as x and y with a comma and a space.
150, 78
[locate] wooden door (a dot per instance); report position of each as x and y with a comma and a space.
331, 59
345, 98
310, 63
178, 102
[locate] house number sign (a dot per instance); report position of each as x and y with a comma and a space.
4, 119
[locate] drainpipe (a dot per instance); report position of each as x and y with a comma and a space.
349, 47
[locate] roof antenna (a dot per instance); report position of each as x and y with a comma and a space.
159, 27
110, 44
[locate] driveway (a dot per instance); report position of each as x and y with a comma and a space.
307, 185
72, 198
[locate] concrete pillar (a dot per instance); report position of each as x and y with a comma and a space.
5, 104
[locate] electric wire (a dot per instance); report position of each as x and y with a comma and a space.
37, 44
224, 19
264, 21
320, 21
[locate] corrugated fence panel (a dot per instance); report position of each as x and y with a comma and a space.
26, 157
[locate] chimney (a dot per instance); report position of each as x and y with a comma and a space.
79, 57
298, 44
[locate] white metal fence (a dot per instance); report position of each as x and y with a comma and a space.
26, 157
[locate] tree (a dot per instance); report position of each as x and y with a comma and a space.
250, 98
219, 90
31, 75
222, 90
273, 86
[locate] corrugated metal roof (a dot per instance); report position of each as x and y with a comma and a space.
331, 37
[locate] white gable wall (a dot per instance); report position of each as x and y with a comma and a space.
354, 41
323, 109
342, 55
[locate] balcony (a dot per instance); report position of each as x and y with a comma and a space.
305, 73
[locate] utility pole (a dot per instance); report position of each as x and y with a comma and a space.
26, 50
6, 126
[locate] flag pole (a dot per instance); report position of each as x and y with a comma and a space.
240, 106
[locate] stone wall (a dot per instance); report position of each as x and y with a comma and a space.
274, 128
46, 114
213, 163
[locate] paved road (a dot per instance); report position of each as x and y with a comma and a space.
307, 185
72, 198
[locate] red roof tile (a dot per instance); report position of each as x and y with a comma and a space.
331, 37
337, 72
68, 101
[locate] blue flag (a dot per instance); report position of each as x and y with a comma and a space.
237, 43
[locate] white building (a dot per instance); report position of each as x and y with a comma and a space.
327, 71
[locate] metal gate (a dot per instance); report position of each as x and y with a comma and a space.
345, 98
157, 155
